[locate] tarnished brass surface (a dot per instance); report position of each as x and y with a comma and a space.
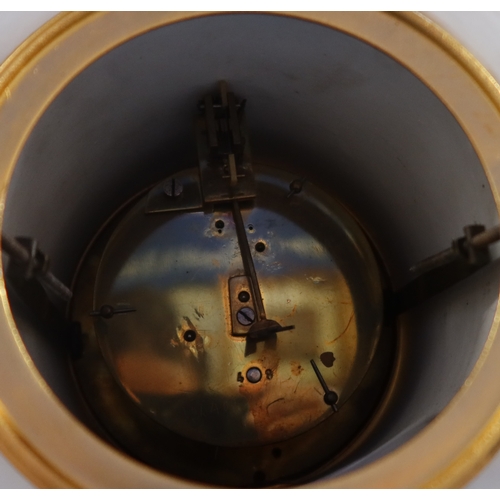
317, 272
447, 453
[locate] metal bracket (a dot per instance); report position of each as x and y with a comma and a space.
33, 263
31, 285
223, 149
240, 285
435, 274
177, 193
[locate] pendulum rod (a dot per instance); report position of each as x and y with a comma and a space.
247, 259
226, 178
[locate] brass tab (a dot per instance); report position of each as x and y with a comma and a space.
185, 194
239, 284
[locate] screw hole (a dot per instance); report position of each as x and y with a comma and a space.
243, 296
189, 335
250, 227
254, 375
260, 246
219, 224
276, 452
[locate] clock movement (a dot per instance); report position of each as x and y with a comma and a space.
230, 312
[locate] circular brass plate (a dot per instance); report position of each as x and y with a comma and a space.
178, 355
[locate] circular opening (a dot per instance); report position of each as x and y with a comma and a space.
361, 129
260, 246
189, 335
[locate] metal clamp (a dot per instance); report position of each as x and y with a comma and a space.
223, 150
34, 264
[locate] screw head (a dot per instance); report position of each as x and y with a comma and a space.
106, 311
245, 316
173, 188
254, 375
296, 186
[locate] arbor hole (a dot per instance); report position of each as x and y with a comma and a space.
260, 246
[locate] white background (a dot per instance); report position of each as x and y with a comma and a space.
479, 32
